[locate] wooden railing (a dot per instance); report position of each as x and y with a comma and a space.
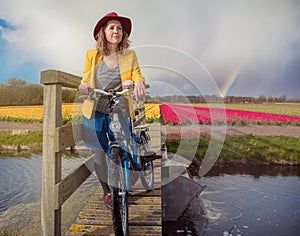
55, 190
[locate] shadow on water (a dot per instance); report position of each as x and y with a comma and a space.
192, 221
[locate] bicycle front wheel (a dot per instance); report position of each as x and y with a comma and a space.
119, 194
147, 174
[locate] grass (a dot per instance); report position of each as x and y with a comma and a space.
66, 120
32, 139
8, 233
246, 149
15, 119
11, 233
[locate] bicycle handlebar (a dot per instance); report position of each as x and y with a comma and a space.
111, 93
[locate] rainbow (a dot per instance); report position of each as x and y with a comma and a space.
229, 82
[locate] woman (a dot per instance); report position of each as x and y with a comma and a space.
107, 67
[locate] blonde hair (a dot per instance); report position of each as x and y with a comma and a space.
101, 42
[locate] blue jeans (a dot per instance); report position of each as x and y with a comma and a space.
95, 131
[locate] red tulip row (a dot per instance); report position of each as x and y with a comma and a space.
180, 113
169, 115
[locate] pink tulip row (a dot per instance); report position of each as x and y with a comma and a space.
169, 114
179, 113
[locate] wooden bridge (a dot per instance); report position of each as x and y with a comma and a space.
145, 208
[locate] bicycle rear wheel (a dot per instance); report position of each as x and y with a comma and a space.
147, 176
119, 194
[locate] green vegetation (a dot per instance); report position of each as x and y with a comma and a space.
15, 119
245, 149
239, 149
8, 233
11, 233
31, 139
20, 92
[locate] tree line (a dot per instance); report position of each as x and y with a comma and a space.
19, 92
219, 99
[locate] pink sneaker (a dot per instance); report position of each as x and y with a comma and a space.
107, 200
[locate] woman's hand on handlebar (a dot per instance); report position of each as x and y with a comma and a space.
83, 88
139, 90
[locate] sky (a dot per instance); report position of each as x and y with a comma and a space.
223, 47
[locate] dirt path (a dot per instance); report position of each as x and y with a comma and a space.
5, 125
189, 130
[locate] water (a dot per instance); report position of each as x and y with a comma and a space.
19, 181
253, 201
20, 192
264, 206
258, 201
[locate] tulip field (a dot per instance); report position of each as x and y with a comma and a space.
180, 114
152, 111
30, 113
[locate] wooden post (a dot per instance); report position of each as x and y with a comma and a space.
51, 163
54, 190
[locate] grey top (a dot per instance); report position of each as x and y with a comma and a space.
106, 79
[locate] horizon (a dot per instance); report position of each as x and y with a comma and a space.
283, 97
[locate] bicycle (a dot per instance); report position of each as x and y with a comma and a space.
129, 156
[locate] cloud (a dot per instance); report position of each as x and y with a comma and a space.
260, 38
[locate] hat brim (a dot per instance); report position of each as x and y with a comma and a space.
126, 24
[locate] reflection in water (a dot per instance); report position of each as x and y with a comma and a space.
248, 200
256, 171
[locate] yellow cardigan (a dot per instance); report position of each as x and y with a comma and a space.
129, 70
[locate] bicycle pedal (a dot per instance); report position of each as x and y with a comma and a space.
150, 156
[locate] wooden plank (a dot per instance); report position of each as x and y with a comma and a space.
67, 136
96, 211
155, 134
70, 183
99, 230
59, 77
51, 162
145, 217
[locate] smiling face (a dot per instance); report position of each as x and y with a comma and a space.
113, 32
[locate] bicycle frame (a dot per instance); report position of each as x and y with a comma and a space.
117, 126
130, 156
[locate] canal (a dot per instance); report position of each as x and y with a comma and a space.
251, 200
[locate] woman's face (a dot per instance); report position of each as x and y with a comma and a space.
113, 32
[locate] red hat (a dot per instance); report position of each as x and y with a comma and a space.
126, 22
